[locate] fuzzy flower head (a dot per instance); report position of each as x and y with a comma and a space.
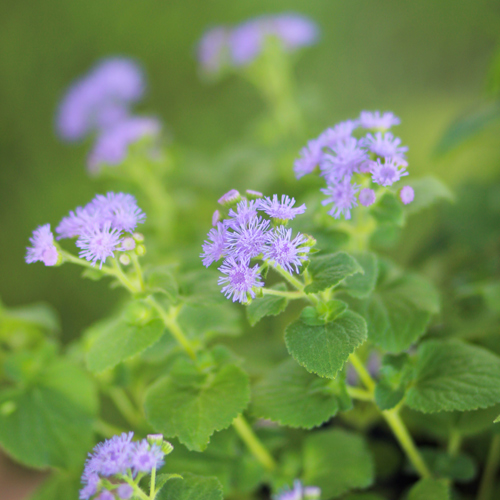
43, 248
213, 50
284, 252
387, 173
299, 492
310, 157
216, 246
247, 240
239, 279
346, 160
374, 120
367, 197
343, 198
283, 210
407, 194
340, 132
387, 146
230, 198
97, 244
245, 212
100, 99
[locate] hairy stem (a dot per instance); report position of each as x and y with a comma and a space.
297, 284
490, 470
152, 489
138, 270
253, 443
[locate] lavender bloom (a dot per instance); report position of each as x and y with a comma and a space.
340, 132
387, 145
299, 492
294, 30
214, 250
247, 241
119, 209
343, 197
213, 49
245, 212
91, 481
230, 198
373, 120
283, 210
407, 194
111, 147
106, 495
311, 157
124, 491
367, 197
387, 173
146, 457
98, 244
347, 158
254, 194
76, 222
240, 279
43, 248
100, 99
283, 251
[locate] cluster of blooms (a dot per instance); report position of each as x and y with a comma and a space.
240, 45
100, 103
102, 227
342, 158
245, 235
117, 461
299, 492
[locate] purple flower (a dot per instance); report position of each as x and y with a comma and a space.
213, 49
254, 194
343, 197
213, 250
97, 244
347, 158
407, 194
146, 457
387, 173
240, 279
283, 210
43, 248
285, 252
120, 209
230, 198
367, 197
295, 30
215, 218
299, 492
100, 99
247, 241
78, 221
310, 158
124, 491
106, 495
245, 212
373, 120
387, 145
91, 481
111, 146
340, 132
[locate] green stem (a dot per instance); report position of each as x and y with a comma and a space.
82, 262
122, 277
393, 419
361, 394
137, 490
138, 270
170, 320
152, 489
454, 442
297, 284
280, 293
253, 443
126, 408
490, 470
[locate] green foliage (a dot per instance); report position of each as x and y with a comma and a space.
362, 284
268, 305
291, 396
123, 337
323, 348
337, 461
59, 486
14, 320
399, 310
388, 210
53, 403
396, 374
461, 467
452, 375
329, 270
430, 489
191, 487
428, 191
192, 403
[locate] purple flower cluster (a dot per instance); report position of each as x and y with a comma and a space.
116, 459
246, 234
343, 158
100, 103
240, 45
299, 492
101, 227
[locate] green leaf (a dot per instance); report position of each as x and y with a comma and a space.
290, 395
428, 191
460, 467
396, 374
192, 405
399, 311
268, 305
430, 489
329, 270
324, 348
388, 210
38, 420
451, 375
361, 285
191, 487
39, 316
132, 332
337, 461
160, 279
162, 479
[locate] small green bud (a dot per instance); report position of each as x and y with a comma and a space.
140, 250
124, 259
128, 243
230, 198
138, 237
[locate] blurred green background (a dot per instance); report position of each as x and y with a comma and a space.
424, 60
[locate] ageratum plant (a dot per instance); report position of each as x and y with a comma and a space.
351, 377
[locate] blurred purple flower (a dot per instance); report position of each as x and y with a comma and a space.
213, 49
407, 194
343, 197
367, 197
213, 250
374, 120
43, 248
310, 157
387, 173
347, 157
387, 146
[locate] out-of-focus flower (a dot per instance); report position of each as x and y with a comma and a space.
343, 198
373, 120
43, 248
407, 194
